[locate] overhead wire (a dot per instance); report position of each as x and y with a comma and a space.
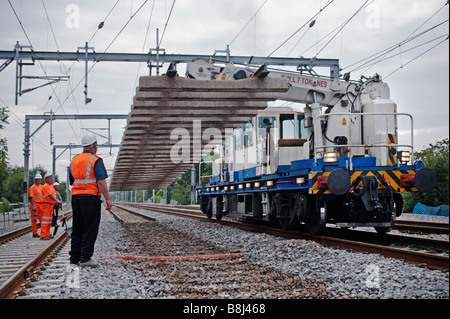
143, 46
342, 27
95, 62
167, 22
373, 59
102, 23
40, 64
66, 71
298, 30
418, 56
379, 56
15, 117
245, 26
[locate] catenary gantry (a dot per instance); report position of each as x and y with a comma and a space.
172, 120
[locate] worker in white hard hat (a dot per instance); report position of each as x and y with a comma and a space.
56, 207
47, 208
88, 178
36, 197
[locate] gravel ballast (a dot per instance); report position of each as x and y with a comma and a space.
267, 267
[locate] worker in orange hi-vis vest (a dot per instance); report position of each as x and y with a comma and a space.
47, 207
36, 198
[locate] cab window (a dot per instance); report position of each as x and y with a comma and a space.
287, 126
301, 126
248, 134
263, 122
238, 139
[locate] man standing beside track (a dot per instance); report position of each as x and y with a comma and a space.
88, 179
36, 197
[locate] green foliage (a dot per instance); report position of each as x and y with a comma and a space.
3, 150
13, 183
435, 157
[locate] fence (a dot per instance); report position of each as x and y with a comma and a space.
12, 213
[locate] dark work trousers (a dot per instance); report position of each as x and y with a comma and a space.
55, 215
85, 224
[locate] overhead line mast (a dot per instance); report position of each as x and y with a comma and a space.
152, 58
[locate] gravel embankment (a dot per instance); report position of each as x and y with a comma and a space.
269, 267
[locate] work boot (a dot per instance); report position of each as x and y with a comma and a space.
36, 235
90, 263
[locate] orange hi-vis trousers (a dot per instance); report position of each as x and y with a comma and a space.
46, 222
36, 216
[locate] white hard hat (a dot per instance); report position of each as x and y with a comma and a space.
88, 139
38, 176
55, 184
48, 175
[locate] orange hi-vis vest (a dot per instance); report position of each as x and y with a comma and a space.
82, 169
37, 193
47, 190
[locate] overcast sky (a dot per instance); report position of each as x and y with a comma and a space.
419, 84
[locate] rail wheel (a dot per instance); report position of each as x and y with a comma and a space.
280, 214
383, 230
219, 208
316, 221
209, 209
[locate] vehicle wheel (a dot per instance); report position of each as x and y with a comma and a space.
209, 209
277, 218
383, 230
315, 224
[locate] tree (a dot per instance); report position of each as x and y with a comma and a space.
3, 150
435, 157
13, 191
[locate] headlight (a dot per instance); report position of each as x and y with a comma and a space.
330, 157
403, 156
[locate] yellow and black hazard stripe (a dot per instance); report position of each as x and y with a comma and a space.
392, 159
391, 176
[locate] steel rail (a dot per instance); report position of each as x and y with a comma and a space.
9, 286
423, 227
26, 229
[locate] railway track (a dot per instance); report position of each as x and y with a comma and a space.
421, 251
421, 227
23, 258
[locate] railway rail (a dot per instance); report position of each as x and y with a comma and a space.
22, 258
421, 227
356, 241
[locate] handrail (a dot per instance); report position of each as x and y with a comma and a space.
367, 146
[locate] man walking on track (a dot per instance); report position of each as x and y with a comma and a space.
49, 201
88, 179
36, 197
